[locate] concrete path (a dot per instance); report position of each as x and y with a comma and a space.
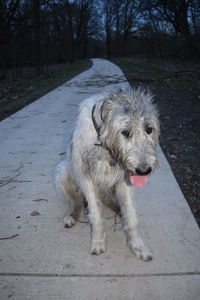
42, 259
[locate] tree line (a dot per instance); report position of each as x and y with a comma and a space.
42, 32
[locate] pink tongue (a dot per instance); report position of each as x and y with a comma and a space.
138, 181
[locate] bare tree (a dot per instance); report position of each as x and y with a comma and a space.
109, 21
121, 21
85, 25
42, 32
195, 16
8, 11
37, 31
130, 14
176, 13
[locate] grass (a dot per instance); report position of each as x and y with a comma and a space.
15, 94
145, 71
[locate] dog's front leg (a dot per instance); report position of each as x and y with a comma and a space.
125, 196
95, 218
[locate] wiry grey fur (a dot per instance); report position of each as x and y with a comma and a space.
100, 160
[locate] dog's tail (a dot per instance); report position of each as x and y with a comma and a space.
67, 189
61, 181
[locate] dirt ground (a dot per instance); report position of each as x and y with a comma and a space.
176, 86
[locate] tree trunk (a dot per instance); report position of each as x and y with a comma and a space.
108, 40
37, 36
71, 35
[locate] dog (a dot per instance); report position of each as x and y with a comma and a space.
112, 149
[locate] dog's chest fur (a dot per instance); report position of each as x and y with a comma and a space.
100, 167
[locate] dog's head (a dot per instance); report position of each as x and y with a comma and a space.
127, 124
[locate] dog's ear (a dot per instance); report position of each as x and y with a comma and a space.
99, 113
110, 101
105, 108
102, 108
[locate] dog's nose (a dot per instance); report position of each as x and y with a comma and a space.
143, 171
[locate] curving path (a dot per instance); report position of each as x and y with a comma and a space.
39, 259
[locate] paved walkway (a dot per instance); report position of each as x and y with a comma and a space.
43, 260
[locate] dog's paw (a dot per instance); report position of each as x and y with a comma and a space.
69, 221
98, 247
140, 250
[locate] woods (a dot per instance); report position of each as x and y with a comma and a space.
38, 33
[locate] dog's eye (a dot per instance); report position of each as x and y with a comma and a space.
126, 133
149, 129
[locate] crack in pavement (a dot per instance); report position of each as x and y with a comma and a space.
86, 275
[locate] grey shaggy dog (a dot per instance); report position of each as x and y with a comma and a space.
113, 147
